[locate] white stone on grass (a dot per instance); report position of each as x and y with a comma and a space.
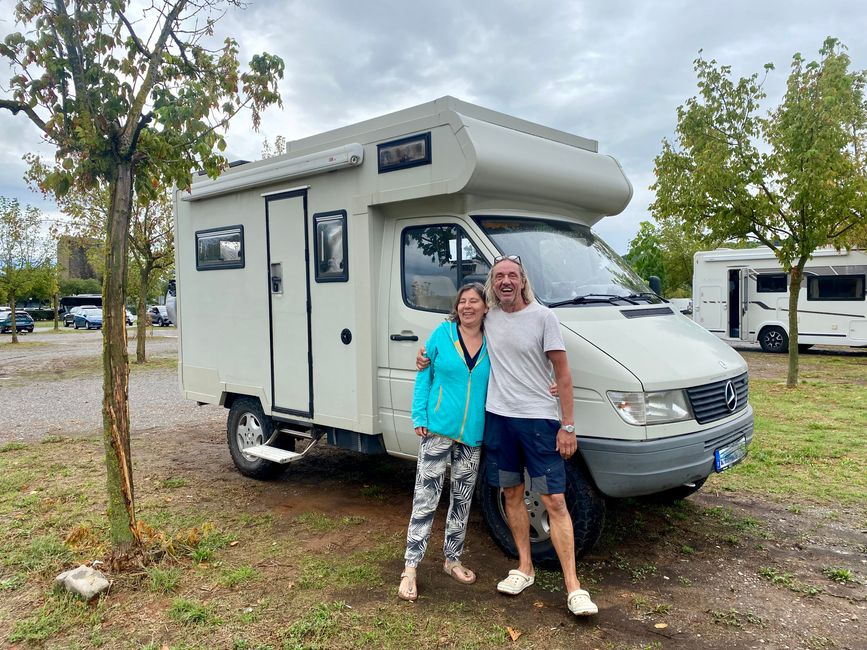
83, 581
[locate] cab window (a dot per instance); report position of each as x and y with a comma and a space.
435, 262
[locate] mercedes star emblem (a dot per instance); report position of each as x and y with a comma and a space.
731, 397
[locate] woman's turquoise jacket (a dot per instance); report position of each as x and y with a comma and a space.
449, 398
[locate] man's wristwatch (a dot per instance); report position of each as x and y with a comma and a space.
568, 428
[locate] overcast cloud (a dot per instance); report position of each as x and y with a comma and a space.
613, 71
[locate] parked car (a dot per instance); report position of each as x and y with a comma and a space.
69, 317
130, 319
23, 322
88, 318
159, 316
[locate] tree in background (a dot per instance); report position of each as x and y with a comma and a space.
132, 98
152, 242
794, 180
24, 253
645, 253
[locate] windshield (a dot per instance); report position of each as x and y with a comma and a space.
566, 261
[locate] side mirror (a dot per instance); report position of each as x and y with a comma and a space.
655, 284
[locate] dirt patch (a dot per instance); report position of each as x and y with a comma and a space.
718, 571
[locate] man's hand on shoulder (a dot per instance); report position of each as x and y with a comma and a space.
421, 360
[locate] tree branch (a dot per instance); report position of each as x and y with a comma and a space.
17, 107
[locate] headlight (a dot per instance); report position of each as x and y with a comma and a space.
656, 407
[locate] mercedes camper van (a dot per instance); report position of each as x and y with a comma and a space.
743, 295
331, 264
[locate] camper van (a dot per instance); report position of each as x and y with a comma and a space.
743, 295
307, 282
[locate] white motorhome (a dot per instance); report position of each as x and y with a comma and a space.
331, 264
743, 295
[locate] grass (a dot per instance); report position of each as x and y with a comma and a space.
191, 612
808, 441
163, 580
839, 575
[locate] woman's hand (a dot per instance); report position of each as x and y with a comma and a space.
555, 392
421, 432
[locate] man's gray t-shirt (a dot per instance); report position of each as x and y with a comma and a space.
520, 370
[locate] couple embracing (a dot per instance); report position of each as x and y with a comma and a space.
487, 382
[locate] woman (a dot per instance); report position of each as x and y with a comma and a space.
448, 413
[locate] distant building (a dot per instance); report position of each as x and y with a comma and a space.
72, 257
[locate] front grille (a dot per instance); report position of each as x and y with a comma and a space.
709, 401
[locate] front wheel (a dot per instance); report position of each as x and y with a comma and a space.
774, 339
586, 507
248, 426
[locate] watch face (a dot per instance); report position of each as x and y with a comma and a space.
569, 428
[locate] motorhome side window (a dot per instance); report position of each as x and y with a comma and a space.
220, 248
835, 287
771, 283
436, 261
331, 246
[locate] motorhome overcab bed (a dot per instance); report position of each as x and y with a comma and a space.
307, 282
743, 295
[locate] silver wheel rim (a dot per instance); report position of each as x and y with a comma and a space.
774, 339
540, 525
249, 434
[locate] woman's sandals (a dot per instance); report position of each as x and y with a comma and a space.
459, 572
407, 589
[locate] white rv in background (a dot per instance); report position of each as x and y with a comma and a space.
307, 282
743, 295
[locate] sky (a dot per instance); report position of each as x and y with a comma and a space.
614, 71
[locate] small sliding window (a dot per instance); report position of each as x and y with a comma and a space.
331, 246
220, 248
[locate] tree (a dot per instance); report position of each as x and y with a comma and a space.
794, 180
645, 253
24, 253
132, 98
152, 242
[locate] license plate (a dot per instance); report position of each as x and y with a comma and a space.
725, 457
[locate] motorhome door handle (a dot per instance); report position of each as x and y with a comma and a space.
404, 337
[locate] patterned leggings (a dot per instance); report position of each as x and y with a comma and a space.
433, 456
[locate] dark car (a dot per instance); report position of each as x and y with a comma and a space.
23, 322
159, 316
88, 318
69, 317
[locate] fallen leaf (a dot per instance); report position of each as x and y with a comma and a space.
235, 543
538, 604
513, 633
661, 626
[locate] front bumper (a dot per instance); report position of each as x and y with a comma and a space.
625, 468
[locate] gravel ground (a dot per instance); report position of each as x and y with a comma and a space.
51, 384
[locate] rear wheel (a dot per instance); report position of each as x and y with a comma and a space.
586, 507
774, 339
248, 426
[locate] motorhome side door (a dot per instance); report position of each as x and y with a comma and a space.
289, 305
431, 260
738, 303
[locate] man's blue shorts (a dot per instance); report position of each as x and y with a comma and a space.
512, 444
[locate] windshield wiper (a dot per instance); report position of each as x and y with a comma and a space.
646, 295
594, 297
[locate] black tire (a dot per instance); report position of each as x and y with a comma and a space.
675, 494
586, 507
774, 339
247, 425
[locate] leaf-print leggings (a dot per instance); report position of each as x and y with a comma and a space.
433, 456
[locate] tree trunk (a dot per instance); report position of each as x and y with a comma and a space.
794, 292
55, 302
14, 330
144, 278
115, 404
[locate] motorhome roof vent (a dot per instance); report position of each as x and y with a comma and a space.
644, 313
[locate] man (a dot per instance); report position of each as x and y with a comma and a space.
523, 428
